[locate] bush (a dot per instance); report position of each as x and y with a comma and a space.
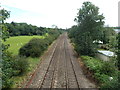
92, 63
102, 78
49, 39
34, 48
12, 66
103, 71
7, 70
19, 65
106, 82
108, 68
113, 84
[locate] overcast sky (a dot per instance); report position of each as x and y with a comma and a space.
56, 12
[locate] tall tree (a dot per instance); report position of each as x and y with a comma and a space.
6, 57
90, 23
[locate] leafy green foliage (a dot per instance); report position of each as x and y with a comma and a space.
4, 15
93, 64
12, 66
6, 56
107, 34
90, 23
113, 84
108, 68
19, 65
17, 29
105, 72
35, 47
7, 70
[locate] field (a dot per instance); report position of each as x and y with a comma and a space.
18, 41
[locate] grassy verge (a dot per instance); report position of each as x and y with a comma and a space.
105, 72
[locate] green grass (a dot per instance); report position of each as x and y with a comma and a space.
18, 41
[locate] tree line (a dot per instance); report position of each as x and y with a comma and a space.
17, 29
20, 29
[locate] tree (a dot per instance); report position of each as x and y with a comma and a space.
4, 15
90, 23
6, 57
10, 66
107, 34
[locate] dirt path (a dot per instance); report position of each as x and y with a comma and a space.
59, 68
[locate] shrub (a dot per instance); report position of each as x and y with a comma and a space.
103, 71
49, 39
12, 66
106, 82
92, 63
102, 78
113, 84
7, 70
24, 50
19, 65
34, 48
108, 68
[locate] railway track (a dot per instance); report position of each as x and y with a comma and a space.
59, 68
